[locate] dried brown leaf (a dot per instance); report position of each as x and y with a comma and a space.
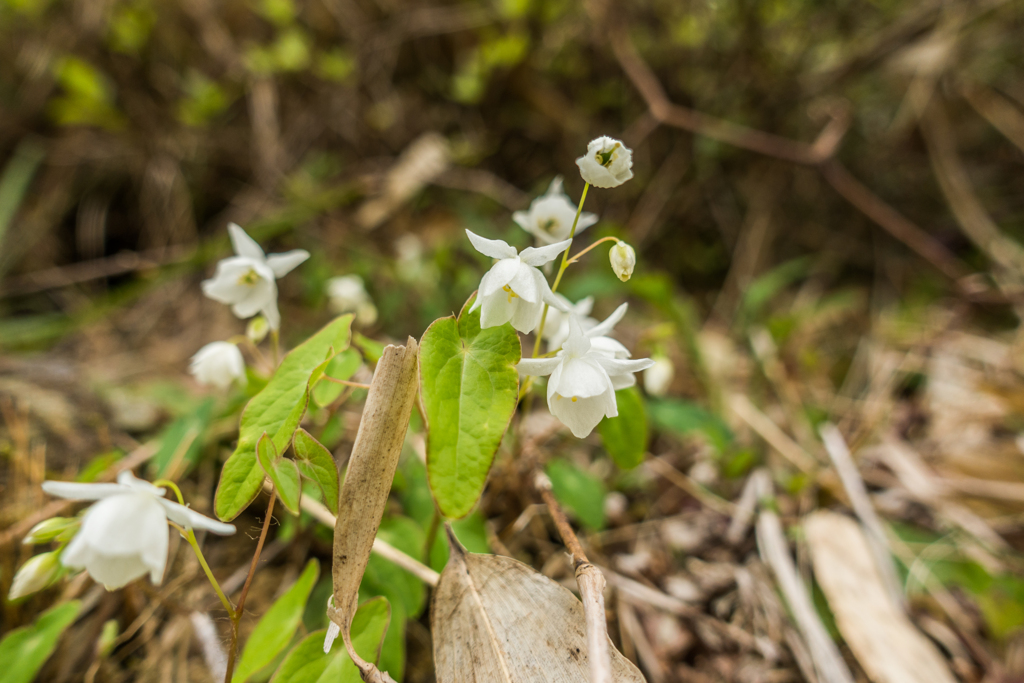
497, 620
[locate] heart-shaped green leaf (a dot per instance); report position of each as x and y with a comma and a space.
317, 463
625, 436
470, 388
282, 471
277, 410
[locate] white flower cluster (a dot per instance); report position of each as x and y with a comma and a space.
587, 366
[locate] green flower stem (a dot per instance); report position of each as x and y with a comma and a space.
275, 344
561, 270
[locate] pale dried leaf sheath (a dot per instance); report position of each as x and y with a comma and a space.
368, 479
881, 636
496, 620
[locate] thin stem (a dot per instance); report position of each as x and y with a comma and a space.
236, 616
576, 258
240, 339
358, 385
435, 524
561, 270
275, 344
190, 536
171, 485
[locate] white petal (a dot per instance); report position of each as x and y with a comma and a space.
190, 519
609, 323
496, 310
616, 366
271, 313
576, 344
581, 378
585, 221
623, 381
526, 316
524, 220
595, 174
500, 274
609, 347
243, 244
582, 415
76, 491
538, 367
493, 248
524, 283
538, 256
282, 264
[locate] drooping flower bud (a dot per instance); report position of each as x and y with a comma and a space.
35, 575
623, 260
607, 163
257, 329
218, 363
658, 377
55, 528
347, 294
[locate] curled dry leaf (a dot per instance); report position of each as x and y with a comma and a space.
497, 620
368, 479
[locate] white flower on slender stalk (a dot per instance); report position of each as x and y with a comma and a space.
247, 281
623, 260
607, 163
581, 391
551, 215
347, 293
35, 575
124, 535
513, 290
218, 363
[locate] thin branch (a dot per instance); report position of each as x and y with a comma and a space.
591, 584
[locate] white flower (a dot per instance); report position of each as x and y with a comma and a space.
513, 290
551, 215
607, 163
247, 281
124, 535
580, 390
658, 377
218, 363
35, 575
347, 293
623, 260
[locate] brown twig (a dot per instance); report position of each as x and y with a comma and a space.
591, 584
236, 618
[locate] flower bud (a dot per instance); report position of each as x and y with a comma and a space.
658, 377
257, 329
35, 575
347, 294
623, 259
218, 363
52, 529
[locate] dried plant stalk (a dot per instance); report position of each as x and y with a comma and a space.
367, 484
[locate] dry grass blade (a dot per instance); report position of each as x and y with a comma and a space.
884, 641
497, 620
367, 484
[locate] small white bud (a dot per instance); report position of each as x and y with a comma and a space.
623, 260
218, 363
35, 575
257, 329
607, 163
658, 377
347, 294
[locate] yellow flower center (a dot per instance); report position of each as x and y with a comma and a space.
250, 278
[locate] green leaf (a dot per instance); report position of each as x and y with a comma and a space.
23, 651
275, 630
307, 662
579, 491
276, 410
470, 388
342, 367
686, 418
317, 463
472, 534
282, 472
625, 436
372, 350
